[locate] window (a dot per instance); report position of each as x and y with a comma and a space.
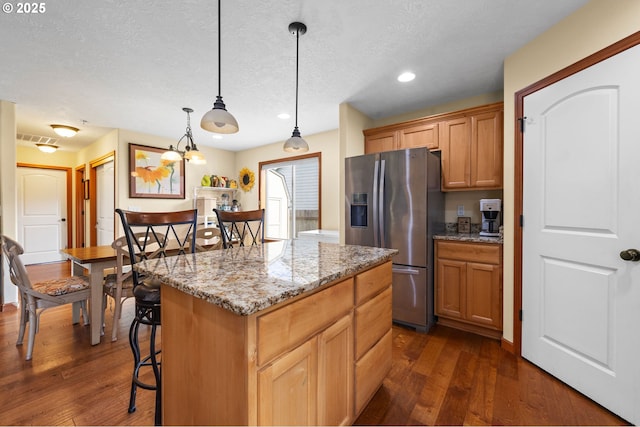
290, 195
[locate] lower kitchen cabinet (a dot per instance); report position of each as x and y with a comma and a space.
312, 384
468, 292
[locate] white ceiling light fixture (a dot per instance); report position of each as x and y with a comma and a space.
296, 144
406, 77
64, 130
47, 148
219, 120
191, 152
284, 116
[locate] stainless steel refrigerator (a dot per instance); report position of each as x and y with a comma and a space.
393, 200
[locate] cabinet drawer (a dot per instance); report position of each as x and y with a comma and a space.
372, 281
373, 320
487, 253
282, 329
371, 370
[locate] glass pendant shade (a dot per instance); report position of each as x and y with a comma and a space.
171, 155
295, 144
219, 120
195, 157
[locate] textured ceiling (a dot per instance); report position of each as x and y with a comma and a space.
134, 65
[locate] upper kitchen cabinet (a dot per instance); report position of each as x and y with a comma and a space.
470, 141
472, 149
413, 134
380, 141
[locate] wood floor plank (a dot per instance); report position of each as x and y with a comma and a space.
443, 377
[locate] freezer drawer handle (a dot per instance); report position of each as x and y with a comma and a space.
401, 270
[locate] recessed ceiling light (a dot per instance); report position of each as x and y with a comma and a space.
284, 116
216, 136
406, 77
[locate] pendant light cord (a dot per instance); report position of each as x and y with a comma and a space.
297, 60
219, 52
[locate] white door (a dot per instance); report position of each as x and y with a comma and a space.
105, 189
581, 207
42, 214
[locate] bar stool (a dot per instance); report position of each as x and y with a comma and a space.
163, 234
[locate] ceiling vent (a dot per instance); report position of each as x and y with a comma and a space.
36, 139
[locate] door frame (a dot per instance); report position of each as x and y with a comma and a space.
93, 196
69, 192
518, 119
79, 220
261, 181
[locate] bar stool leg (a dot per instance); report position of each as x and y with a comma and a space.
135, 349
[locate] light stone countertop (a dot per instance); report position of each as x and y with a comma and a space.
249, 279
468, 237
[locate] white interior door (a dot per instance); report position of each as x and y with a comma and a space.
105, 189
42, 214
581, 301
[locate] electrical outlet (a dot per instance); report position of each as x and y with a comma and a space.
460, 210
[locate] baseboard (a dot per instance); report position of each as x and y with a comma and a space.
12, 306
507, 346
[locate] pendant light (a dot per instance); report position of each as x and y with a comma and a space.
219, 120
296, 144
191, 152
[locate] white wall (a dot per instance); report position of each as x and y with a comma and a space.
595, 26
8, 218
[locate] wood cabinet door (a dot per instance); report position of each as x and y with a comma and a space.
335, 374
293, 379
455, 143
486, 150
383, 141
451, 288
426, 135
484, 294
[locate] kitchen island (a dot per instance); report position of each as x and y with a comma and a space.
290, 332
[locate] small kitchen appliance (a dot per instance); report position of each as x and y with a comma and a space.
490, 209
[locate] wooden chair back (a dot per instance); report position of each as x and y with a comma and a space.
208, 239
156, 234
241, 228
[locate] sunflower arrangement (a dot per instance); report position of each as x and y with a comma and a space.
247, 179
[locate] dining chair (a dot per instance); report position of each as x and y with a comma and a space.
208, 239
241, 228
164, 234
35, 298
119, 284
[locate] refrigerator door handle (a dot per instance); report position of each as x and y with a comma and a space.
405, 270
383, 242
376, 237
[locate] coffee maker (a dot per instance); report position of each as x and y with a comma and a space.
490, 209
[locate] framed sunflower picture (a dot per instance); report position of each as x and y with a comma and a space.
152, 177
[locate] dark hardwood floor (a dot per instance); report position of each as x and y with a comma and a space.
446, 377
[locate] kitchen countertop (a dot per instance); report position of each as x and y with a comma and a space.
246, 280
468, 237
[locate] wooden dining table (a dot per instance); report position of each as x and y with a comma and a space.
95, 259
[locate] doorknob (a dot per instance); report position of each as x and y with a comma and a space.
630, 255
